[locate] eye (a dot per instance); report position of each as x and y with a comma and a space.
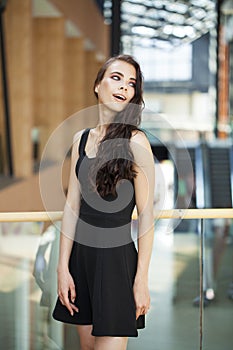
115, 77
132, 84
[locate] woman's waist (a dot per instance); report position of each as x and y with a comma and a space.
102, 219
102, 233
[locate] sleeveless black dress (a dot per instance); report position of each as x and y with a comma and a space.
103, 260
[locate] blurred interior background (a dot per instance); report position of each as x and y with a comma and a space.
51, 51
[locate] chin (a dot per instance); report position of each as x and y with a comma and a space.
116, 106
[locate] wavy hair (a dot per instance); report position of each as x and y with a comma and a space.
116, 163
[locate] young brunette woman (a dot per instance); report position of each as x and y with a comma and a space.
102, 277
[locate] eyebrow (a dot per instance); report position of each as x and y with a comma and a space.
122, 75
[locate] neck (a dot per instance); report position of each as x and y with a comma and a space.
101, 130
105, 117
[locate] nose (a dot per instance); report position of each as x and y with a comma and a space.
123, 87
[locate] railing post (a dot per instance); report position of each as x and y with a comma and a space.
201, 264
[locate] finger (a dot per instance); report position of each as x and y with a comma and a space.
61, 300
72, 293
74, 307
60, 296
145, 309
67, 304
141, 311
138, 313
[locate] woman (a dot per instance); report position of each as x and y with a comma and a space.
102, 279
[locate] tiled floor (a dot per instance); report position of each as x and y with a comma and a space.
172, 323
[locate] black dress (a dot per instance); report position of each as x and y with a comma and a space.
103, 260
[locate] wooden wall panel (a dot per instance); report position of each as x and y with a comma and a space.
42, 68
2, 133
74, 75
87, 17
91, 70
48, 73
18, 34
223, 87
91, 67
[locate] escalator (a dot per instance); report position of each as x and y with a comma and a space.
217, 156
212, 166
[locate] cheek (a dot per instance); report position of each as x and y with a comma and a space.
104, 93
105, 87
132, 93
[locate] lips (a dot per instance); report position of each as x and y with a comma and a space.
119, 97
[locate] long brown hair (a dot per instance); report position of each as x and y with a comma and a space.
116, 165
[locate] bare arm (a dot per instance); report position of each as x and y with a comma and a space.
66, 285
144, 193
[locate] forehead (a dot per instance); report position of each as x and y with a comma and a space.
123, 67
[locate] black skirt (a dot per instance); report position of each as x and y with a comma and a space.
104, 280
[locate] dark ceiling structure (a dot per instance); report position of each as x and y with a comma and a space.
163, 23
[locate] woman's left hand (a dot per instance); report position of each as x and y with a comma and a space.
141, 297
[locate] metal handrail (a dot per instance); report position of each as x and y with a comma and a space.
210, 213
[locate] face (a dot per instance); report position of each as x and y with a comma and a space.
117, 88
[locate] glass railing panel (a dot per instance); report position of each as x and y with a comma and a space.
173, 321
218, 286
26, 301
28, 289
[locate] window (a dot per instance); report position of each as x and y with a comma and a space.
165, 65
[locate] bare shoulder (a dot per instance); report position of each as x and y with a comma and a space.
76, 140
141, 149
78, 135
139, 137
